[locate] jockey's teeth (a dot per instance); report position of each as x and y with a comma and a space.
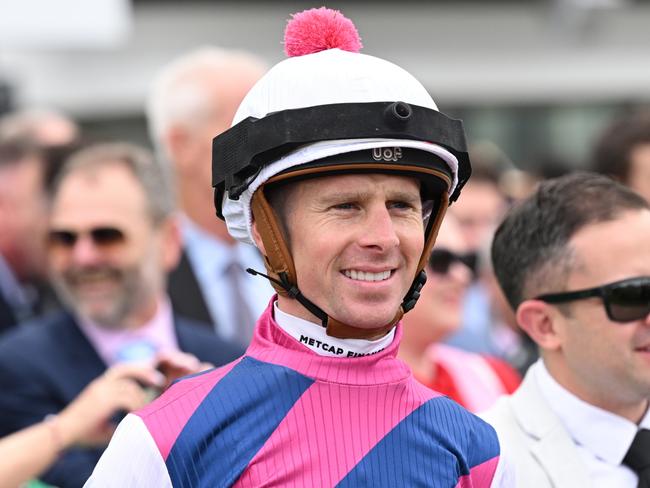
366, 276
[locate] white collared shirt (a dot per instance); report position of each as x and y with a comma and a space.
601, 437
210, 259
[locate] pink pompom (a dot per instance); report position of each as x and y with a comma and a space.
318, 29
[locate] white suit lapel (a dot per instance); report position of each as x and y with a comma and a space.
550, 443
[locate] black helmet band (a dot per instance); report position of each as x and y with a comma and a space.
240, 152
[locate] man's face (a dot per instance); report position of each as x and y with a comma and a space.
606, 361
356, 241
115, 276
639, 177
23, 217
479, 211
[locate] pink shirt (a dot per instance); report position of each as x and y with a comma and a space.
134, 345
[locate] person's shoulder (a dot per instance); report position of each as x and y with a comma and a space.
520, 411
442, 405
131, 459
201, 340
520, 445
195, 328
453, 420
473, 442
500, 412
185, 394
166, 417
39, 332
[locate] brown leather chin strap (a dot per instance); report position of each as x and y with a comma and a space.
280, 266
277, 258
434, 227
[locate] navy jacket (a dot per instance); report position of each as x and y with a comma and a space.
7, 316
46, 363
186, 294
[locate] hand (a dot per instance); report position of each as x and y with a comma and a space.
176, 364
87, 419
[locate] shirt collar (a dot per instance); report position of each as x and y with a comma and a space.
587, 424
315, 338
119, 345
213, 254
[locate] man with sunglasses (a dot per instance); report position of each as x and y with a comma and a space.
112, 239
573, 260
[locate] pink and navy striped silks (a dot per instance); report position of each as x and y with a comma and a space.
284, 416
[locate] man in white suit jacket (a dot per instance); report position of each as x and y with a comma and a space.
574, 262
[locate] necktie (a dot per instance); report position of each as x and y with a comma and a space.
244, 320
638, 457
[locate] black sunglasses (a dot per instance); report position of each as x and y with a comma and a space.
442, 259
624, 301
101, 236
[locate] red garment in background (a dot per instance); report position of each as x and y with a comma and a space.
474, 381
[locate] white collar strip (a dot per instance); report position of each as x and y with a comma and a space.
314, 337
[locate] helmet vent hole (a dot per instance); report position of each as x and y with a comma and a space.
399, 112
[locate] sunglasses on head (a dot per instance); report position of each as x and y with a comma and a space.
442, 259
101, 236
624, 300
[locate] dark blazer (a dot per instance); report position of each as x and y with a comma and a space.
46, 363
7, 316
185, 293
45, 300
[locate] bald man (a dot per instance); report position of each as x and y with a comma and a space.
193, 99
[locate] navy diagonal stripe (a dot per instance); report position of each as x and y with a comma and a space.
434, 446
232, 423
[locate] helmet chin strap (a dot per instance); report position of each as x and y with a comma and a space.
333, 327
282, 274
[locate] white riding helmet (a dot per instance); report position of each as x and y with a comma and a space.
330, 112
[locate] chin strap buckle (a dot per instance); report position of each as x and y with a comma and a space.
293, 291
413, 294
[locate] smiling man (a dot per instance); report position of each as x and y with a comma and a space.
574, 262
112, 239
342, 190
357, 240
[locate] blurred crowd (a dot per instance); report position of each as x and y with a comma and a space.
116, 277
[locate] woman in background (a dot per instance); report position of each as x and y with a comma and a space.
473, 380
